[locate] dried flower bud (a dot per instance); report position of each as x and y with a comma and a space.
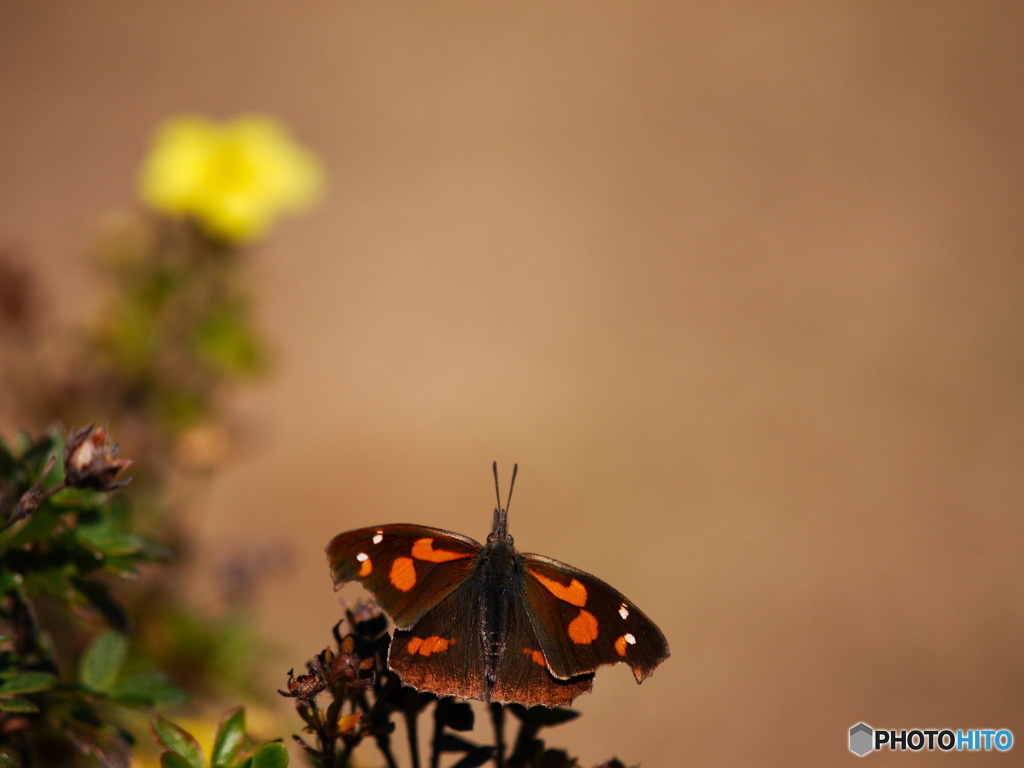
343, 667
366, 610
304, 686
90, 461
367, 619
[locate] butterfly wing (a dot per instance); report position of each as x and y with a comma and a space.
583, 623
443, 653
408, 568
522, 670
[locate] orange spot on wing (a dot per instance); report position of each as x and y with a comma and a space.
428, 645
414, 644
574, 594
423, 549
583, 629
403, 574
536, 657
620, 646
365, 569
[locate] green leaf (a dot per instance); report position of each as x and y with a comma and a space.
172, 760
148, 688
21, 706
101, 662
28, 682
477, 757
40, 526
39, 453
108, 541
107, 531
543, 716
122, 567
76, 499
100, 599
155, 550
449, 742
7, 462
22, 442
54, 582
6, 639
176, 739
270, 755
8, 581
230, 738
225, 344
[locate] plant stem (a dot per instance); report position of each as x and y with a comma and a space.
498, 719
414, 740
34, 496
439, 717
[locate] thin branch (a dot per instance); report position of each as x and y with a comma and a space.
34, 496
498, 720
411, 716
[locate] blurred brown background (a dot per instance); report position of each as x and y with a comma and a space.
738, 285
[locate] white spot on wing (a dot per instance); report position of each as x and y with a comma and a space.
624, 611
630, 639
379, 537
362, 557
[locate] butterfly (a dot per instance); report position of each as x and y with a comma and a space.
482, 621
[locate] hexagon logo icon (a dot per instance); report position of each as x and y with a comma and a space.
861, 739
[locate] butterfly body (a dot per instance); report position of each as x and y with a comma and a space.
497, 577
482, 621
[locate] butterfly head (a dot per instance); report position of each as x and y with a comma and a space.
500, 529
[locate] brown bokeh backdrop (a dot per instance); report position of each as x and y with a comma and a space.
739, 285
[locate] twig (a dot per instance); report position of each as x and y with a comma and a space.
34, 496
498, 719
411, 716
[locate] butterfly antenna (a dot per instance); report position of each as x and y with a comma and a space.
497, 489
511, 485
500, 512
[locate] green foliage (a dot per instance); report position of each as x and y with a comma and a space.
14, 684
62, 549
169, 338
176, 327
231, 747
225, 343
100, 665
229, 740
177, 741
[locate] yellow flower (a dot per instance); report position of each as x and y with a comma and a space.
235, 178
